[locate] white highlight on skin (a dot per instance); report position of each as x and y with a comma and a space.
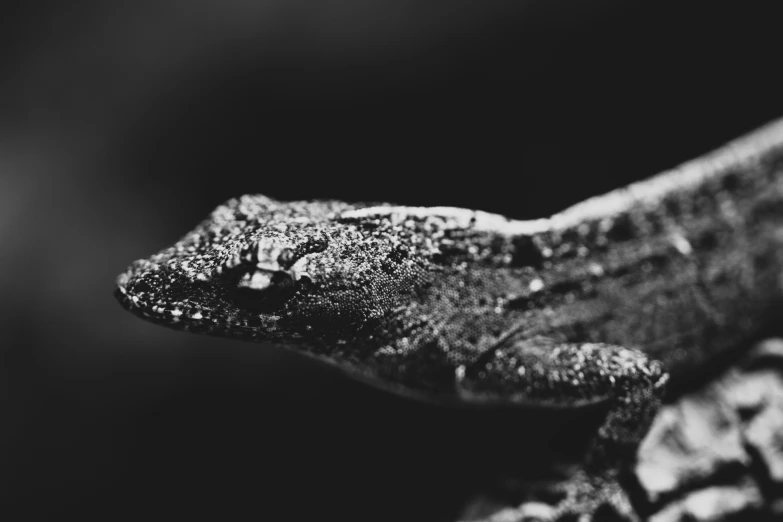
645, 193
681, 244
536, 285
596, 269
460, 217
690, 174
259, 280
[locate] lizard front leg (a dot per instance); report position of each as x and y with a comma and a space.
545, 372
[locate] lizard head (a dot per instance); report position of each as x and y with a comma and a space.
270, 270
343, 282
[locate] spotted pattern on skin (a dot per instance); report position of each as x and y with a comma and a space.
406, 296
348, 283
592, 305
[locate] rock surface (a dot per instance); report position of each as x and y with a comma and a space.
715, 455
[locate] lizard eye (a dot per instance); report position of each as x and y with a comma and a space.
264, 286
264, 291
286, 258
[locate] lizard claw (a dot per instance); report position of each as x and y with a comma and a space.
582, 498
593, 499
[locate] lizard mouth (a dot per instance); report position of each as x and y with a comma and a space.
244, 303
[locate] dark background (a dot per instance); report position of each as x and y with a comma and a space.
123, 126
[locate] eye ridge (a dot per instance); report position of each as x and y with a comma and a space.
289, 256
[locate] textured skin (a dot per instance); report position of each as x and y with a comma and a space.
449, 304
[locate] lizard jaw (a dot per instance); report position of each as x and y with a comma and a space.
211, 317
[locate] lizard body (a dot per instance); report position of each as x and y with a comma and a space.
593, 304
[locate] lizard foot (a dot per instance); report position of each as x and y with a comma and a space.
588, 498
585, 498
581, 498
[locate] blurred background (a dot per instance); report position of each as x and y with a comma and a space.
124, 124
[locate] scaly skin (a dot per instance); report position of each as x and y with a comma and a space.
456, 305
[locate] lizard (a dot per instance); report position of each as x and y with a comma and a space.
612, 301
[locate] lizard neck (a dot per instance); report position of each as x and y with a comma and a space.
751, 157
682, 265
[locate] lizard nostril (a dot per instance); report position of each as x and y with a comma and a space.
141, 287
